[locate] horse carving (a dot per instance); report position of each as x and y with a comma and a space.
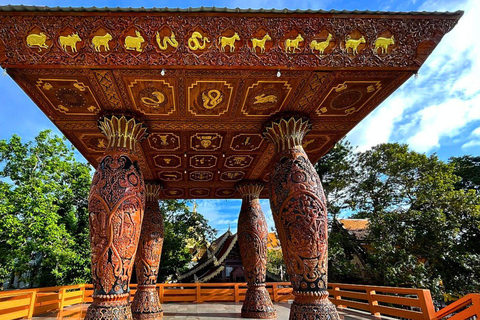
134, 43
228, 41
383, 43
353, 44
292, 45
194, 41
320, 46
260, 43
167, 40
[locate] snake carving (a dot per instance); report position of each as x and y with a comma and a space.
212, 99
194, 41
154, 102
168, 40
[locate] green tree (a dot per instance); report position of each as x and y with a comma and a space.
423, 231
43, 212
468, 169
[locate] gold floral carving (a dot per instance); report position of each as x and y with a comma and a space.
122, 132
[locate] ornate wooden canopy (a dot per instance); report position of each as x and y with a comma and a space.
205, 81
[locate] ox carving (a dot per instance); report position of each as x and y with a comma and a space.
194, 41
260, 43
383, 43
134, 43
353, 44
37, 40
293, 44
167, 40
69, 41
320, 46
228, 41
102, 41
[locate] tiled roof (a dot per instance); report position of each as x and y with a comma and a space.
23, 8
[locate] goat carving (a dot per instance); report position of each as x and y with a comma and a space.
353, 44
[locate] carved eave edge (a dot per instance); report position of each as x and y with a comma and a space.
211, 275
122, 132
16, 26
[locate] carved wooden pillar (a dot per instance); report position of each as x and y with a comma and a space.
299, 210
116, 205
252, 238
146, 303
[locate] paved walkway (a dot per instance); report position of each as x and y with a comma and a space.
202, 311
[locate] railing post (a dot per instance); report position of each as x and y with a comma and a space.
160, 292
237, 297
82, 290
62, 300
426, 303
337, 296
31, 308
476, 305
199, 294
372, 303
275, 293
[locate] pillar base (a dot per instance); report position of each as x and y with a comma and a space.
109, 312
146, 303
313, 308
257, 304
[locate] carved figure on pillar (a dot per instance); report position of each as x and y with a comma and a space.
146, 303
252, 239
299, 209
116, 205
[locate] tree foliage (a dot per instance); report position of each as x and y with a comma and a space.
43, 212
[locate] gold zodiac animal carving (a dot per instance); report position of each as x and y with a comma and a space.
320, 46
265, 99
212, 99
194, 41
260, 43
167, 40
160, 97
99, 41
37, 40
383, 43
228, 41
134, 43
69, 41
353, 44
293, 44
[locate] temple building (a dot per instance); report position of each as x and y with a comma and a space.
210, 104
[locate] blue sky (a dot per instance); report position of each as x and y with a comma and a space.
437, 112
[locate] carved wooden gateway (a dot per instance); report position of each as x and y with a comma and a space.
199, 102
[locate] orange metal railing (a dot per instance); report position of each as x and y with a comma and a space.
468, 307
387, 301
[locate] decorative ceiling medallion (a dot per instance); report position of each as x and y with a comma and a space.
153, 97
348, 97
232, 176
323, 43
203, 162
292, 42
201, 176
133, 40
230, 42
69, 96
209, 98
238, 161
206, 141
313, 143
38, 41
170, 176
170, 161
69, 41
261, 42
164, 141
225, 192
265, 97
173, 193
165, 41
102, 41
198, 41
385, 43
355, 43
199, 192
94, 142
246, 142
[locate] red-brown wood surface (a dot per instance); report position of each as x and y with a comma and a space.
205, 102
